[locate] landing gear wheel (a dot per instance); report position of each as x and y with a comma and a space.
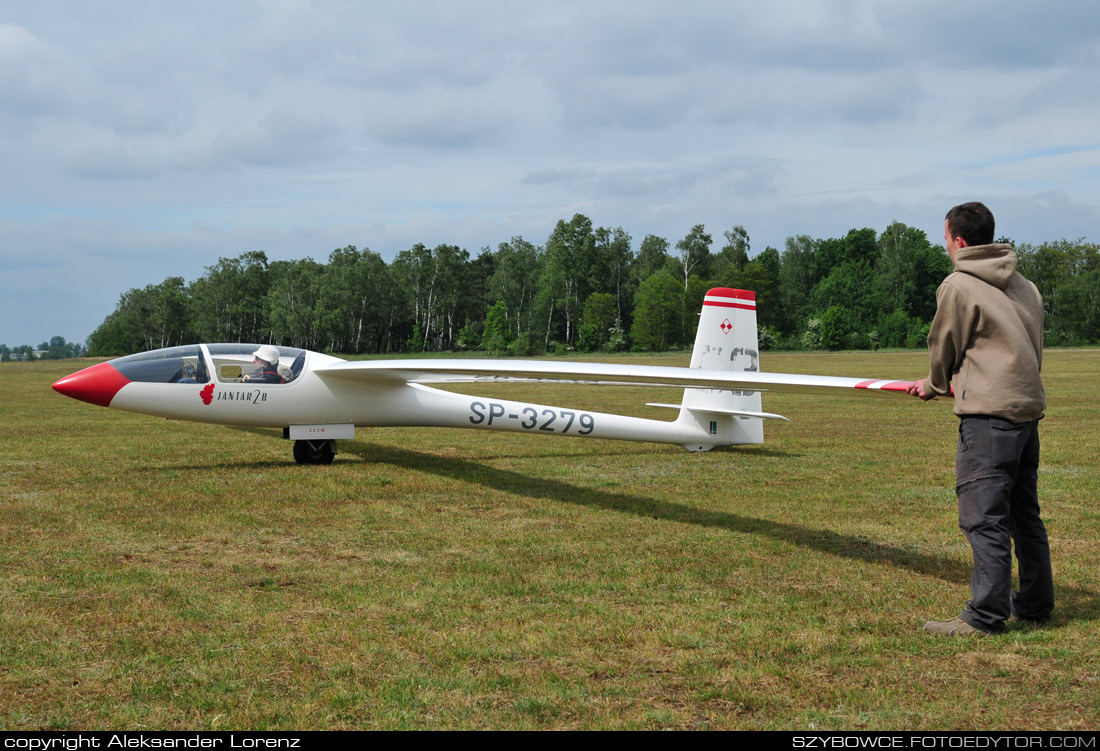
314, 452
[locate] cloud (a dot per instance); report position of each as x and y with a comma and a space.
38, 79
282, 137
688, 178
439, 118
157, 137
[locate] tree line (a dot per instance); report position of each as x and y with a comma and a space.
586, 289
55, 349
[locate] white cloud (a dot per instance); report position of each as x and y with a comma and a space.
159, 137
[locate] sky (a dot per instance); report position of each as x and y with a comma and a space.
140, 141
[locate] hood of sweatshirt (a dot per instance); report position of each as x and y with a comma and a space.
994, 264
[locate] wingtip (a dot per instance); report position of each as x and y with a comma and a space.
902, 386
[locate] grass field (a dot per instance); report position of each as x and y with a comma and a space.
157, 574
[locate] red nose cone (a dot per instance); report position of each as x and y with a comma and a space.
95, 385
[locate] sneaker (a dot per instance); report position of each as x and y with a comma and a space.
953, 627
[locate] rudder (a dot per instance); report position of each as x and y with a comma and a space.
726, 340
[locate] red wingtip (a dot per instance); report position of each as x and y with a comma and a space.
885, 385
95, 385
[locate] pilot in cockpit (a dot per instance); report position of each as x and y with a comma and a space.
265, 366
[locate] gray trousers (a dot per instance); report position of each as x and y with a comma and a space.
996, 472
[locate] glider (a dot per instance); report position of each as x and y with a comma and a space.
317, 399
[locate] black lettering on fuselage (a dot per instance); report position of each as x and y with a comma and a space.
241, 396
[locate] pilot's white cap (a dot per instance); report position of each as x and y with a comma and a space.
267, 353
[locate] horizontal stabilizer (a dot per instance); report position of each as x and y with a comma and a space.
718, 411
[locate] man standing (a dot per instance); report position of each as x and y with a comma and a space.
987, 338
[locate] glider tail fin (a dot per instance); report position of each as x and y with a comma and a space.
726, 340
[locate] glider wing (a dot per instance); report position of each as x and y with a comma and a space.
441, 371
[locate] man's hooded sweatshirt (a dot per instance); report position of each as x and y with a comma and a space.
987, 337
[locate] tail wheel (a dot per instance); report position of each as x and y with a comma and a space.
314, 452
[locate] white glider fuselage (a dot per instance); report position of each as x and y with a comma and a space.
326, 402
321, 398
311, 399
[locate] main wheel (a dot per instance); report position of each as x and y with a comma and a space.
314, 452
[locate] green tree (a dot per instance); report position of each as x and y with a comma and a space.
735, 252
652, 257
150, 318
23, 352
908, 271
227, 302
416, 272
570, 257
292, 303
498, 334
469, 337
169, 322
755, 277
895, 329
476, 296
796, 281
1067, 274
611, 270
351, 300
858, 246
695, 253
438, 282
657, 312
59, 349
845, 291
850, 285
416, 341
600, 314
1076, 319
763, 271
452, 273
111, 338
835, 327
516, 269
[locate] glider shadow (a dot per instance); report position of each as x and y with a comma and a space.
510, 481
1074, 603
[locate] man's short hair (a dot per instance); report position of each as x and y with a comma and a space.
972, 222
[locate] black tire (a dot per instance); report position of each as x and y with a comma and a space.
314, 452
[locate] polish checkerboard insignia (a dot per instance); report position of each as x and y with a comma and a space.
726, 326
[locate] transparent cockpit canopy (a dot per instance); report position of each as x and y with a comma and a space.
187, 364
286, 354
233, 362
171, 365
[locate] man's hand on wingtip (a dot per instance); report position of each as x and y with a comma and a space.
916, 388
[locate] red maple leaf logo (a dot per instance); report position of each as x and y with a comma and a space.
726, 326
207, 394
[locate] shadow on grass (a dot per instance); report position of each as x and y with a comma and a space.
1074, 603
607, 448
